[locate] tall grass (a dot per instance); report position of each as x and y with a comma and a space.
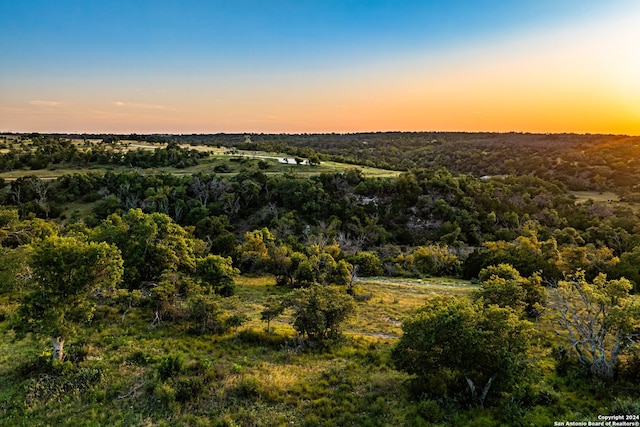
133, 374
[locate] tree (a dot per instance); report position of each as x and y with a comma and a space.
217, 273
588, 258
67, 274
314, 160
452, 342
434, 260
204, 312
150, 244
254, 250
319, 312
127, 300
598, 320
368, 264
503, 286
629, 267
236, 320
283, 263
14, 269
273, 307
14, 232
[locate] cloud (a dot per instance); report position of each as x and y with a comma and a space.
138, 105
41, 103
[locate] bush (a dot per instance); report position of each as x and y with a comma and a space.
625, 406
368, 264
62, 380
248, 387
138, 358
451, 343
32, 368
189, 389
165, 393
630, 369
170, 366
430, 411
320, 311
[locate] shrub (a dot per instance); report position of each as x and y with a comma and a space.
164, 393
368, 264
138, 357
625, 406
189, 389
451, 343
320, 311
170, 366
430, 411
248, 387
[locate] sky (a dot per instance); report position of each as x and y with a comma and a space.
307, 66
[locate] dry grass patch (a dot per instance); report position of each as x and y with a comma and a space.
391, 300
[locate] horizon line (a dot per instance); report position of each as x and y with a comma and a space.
9, 132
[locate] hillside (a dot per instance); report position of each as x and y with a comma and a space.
203, 280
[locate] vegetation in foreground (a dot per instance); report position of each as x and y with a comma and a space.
133, 373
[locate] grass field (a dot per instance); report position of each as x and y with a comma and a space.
236, 160
254, 379
133, 374
596, 196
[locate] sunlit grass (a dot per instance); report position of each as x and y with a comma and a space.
251, 379
596, 196
389, 301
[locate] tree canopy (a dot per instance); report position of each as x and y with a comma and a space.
67, 274
452, 344
598, 320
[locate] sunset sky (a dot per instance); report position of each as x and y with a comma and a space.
161, 66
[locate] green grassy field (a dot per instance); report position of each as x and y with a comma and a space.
254, 379
129, 373
596, 196
237, 161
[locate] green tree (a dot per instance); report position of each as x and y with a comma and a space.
150, 244
319, 312
14, 270
205, 312
283, 263
598, 320
67, 274
217, 274
14, 232
503, 286
368, 263
629, 267
451, 345
273, 307
434, 260
235, 320
255, 250
341, 273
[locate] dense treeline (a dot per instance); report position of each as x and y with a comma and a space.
582, 162
422, 222
44, 152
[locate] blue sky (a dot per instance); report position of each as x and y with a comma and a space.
287, 31
178, 56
